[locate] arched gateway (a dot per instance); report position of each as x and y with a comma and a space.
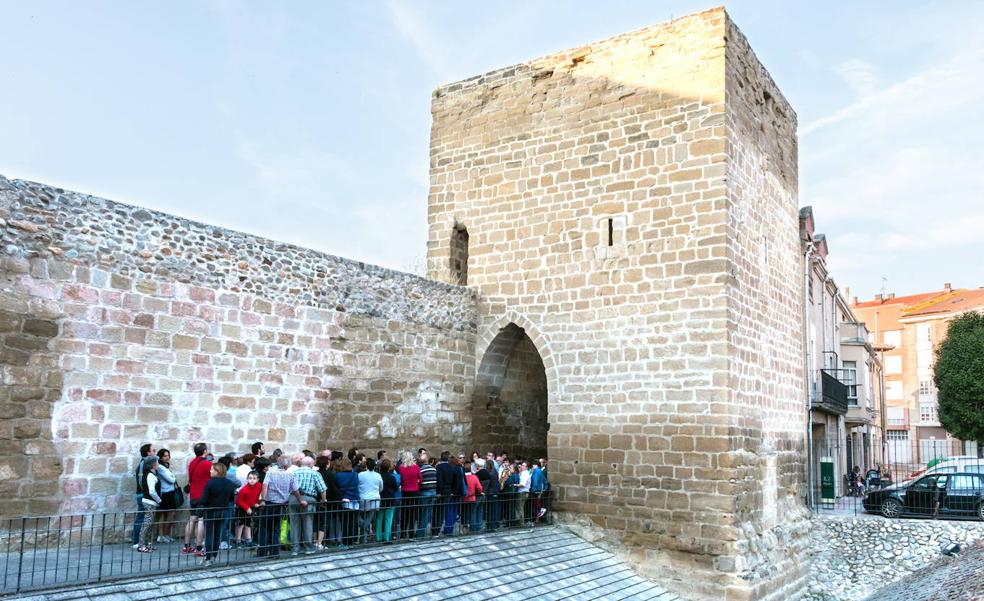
509, 401
633, 202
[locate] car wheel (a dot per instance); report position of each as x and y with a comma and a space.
980, 512
891, 508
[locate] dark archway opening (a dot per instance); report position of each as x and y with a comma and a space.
510, 397
459, 255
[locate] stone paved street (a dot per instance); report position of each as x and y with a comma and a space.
950, 579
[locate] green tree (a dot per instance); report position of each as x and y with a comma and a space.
959, 377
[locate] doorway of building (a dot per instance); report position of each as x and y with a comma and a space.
510, 397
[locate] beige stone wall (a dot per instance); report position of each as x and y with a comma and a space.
595, 187
30, 384
107, 346
765, 303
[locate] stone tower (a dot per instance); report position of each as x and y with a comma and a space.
627, 213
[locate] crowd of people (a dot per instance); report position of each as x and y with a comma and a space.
310, 502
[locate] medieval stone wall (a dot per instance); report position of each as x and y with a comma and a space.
595, 185
122, 326
765, 301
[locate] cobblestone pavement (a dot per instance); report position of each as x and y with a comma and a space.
548, 563
950, 579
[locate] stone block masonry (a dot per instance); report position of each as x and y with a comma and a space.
631, 207
624, 216
852, 558
121, 325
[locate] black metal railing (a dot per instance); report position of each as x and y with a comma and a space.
928, 478
832, 396
55, 551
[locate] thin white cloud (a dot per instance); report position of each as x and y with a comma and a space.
412, 28
905, 186
895, 177
859, 75
940, 234
951, 84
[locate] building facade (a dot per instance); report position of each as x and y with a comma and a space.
843, 374
908, 329
630, 214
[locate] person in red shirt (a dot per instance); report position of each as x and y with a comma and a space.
410, 488
199, 471
247, 500
471, 504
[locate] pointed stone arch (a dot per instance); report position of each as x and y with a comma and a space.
488, 332
510, 400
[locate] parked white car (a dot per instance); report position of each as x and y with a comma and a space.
960, 463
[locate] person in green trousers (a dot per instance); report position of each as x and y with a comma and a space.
384, 519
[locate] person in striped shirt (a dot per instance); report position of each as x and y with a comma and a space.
428, 492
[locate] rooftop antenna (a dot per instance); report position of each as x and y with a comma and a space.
884, 285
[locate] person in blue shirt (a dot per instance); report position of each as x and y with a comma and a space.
509, 493
538, 488
348, 487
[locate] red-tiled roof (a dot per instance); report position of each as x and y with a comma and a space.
912, 299
957, 301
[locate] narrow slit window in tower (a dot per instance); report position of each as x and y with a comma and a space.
459, 256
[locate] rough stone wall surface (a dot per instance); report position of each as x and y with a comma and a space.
594, 187
30, 384
510, 398
765, 300
851, 558
122, 326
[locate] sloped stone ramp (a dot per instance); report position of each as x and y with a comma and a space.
548, 563
948, 579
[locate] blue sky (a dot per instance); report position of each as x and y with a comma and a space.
308, 122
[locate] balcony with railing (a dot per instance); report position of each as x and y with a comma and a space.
830, 392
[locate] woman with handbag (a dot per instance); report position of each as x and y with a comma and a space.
170, 495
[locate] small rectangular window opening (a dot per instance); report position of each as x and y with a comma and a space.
611, 232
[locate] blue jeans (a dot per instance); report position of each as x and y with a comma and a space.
226, 519
450, 514
475, 511
138, 522
426, 503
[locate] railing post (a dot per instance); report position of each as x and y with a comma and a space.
20, 555
102, 547
170, 552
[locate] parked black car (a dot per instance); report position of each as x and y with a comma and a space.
959, 494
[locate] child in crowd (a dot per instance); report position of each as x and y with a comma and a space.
247, 502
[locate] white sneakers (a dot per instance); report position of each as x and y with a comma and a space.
223, 545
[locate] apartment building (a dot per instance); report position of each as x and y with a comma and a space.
844, 374
907, 330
